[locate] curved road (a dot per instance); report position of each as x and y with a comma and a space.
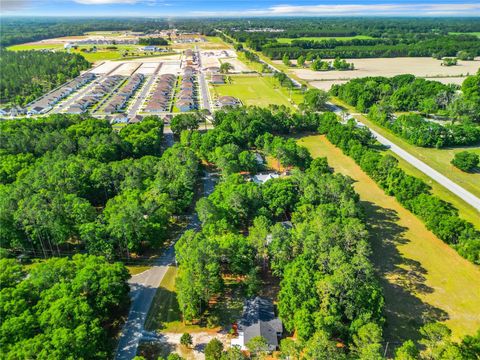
465, 195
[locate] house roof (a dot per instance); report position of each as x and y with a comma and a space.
259, 319
263, 178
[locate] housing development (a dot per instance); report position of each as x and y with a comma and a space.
239, 181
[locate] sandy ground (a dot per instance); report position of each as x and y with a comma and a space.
327, 84
200, 340
104, 68
170, 68
210, 61
424, 67
449, 80
127, 68
238, 66
147, 68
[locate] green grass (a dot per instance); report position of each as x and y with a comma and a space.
137, 269
438, 159
465, 210
422, 277
23, 47
165, 314
477, 34
254, 90
102, 52
318, 38
165, 309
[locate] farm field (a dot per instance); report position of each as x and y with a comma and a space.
253, 90
422, 277
318, 38
439, 159
422, 67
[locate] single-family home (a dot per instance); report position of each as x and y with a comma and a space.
263, 178
258, 319
223, 101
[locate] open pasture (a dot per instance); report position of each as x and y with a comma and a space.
418, 66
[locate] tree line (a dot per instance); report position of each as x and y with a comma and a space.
152, 41
381, 97
436, 45
408, 93
71, 183
27, 75
439, 216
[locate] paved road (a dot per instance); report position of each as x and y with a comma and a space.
202, 81
467, 196
143, 288
143, 93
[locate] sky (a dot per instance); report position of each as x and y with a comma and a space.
239, 8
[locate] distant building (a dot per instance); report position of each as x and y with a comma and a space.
258, 319
223, 101
217, 79
263, 178
119, 118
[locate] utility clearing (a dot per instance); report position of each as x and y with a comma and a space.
423, 279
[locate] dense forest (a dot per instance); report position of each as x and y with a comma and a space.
26, 75
62, 308
386, 27
434, 45
71, 184
381, 97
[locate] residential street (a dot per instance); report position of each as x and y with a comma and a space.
144, 286
138, 101
202, 81
420, 165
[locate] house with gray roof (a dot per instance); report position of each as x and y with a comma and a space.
258, 319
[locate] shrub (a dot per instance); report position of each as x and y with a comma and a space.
465, 161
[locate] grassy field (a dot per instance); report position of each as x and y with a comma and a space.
466, 211
318, 38
102, 53
23, 47
423, 278
477, 34
253, 90
438, 159
165, 314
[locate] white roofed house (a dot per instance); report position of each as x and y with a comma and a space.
258, 319
263, 178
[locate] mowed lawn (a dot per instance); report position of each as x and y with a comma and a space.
318, 38
422, 277
165, 315
253, 90
438, 159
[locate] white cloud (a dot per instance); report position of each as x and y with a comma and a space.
390, 9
